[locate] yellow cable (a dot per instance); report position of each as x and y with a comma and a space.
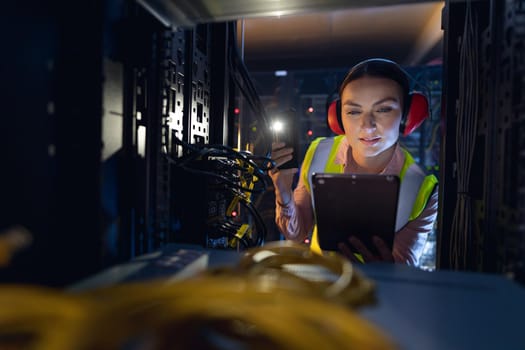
257, 304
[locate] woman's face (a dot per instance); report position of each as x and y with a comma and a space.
371, 111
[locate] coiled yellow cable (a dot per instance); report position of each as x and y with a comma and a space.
346, 285
255, 305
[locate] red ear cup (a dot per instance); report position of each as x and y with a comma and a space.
334, 117
417, 113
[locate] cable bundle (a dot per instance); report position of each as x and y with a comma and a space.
466, 129
330, 276
231, 167
40, 318
252, 306
240, 174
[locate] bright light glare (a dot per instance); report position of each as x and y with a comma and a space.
277, 126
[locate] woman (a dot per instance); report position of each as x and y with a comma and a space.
374, 100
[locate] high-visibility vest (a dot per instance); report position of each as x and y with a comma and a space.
414, 191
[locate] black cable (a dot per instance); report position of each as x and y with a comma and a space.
204, 152
259, 224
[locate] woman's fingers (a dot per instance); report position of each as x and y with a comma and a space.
383, 249
362, 249
281, 154
277, 145
385, 254
343, 248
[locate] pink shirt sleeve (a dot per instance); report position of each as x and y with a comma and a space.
296, 219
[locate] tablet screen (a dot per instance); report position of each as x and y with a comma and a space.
360, 205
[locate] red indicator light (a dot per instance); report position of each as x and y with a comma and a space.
236, 110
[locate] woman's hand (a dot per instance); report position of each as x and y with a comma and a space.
385, 254
282, 178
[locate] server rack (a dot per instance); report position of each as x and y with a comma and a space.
488, 235
97, 94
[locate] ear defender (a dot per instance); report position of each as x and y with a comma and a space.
333, 116
416, 114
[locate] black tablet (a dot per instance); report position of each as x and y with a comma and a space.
355, 204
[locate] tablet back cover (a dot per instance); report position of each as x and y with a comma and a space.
361, 205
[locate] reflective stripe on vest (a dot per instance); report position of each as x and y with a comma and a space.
320, 158
414, 192
416, 188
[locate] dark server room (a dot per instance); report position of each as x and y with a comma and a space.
167, 169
